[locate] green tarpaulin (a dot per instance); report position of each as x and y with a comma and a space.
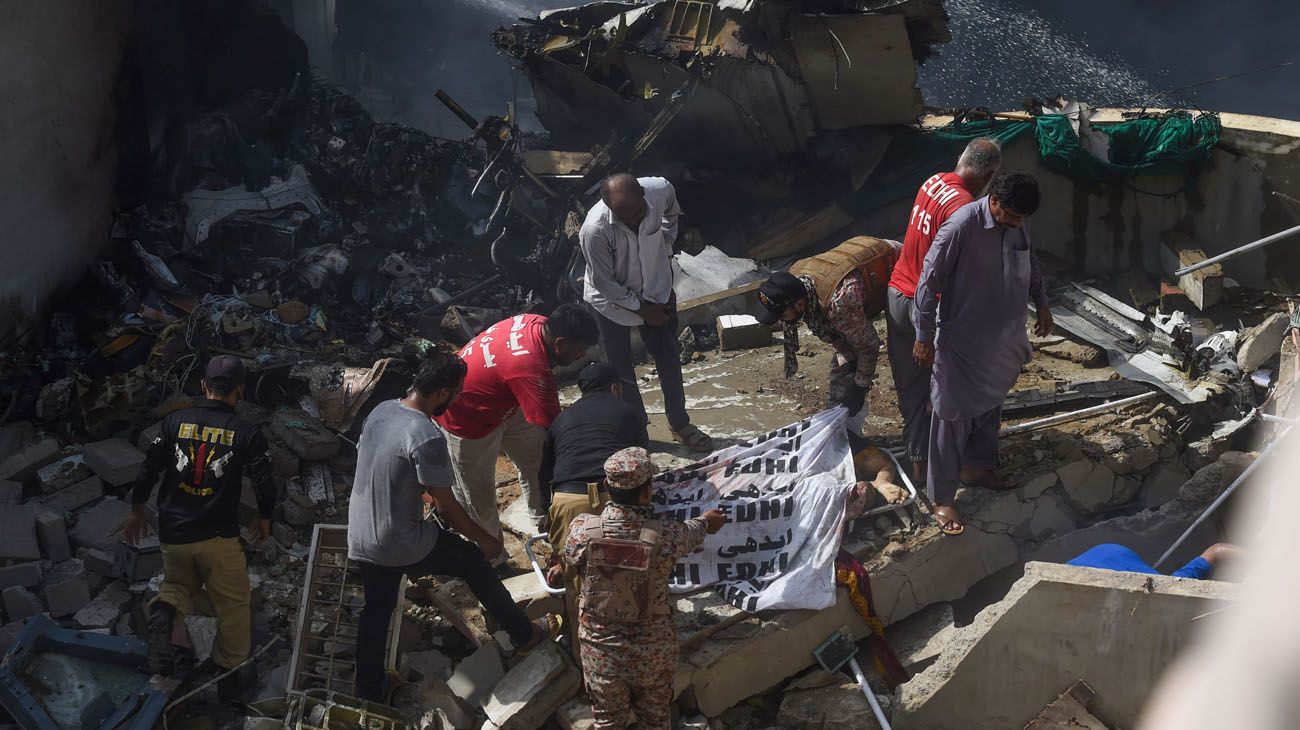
1172, 144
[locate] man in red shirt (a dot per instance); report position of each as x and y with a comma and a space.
508, 403
939, 197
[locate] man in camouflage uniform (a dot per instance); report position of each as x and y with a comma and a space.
625, 627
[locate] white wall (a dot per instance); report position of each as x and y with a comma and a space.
60, 61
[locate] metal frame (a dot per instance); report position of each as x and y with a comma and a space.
331, 578
140, 711
901, 508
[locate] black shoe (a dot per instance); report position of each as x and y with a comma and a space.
162, 656
231, 688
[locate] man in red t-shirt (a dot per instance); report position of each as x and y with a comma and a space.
508, 403
939, 197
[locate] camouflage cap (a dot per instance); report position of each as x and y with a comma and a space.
630, 468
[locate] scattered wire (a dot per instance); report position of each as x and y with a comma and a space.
1215, 80
274, 640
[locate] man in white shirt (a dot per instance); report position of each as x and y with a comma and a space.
627, 241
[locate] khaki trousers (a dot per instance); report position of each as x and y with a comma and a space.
218, 565
565, 507
474, 467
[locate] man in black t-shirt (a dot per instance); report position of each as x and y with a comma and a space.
202, 454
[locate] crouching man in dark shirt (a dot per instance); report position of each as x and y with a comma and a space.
572, 475
201, 454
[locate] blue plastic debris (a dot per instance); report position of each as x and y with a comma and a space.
54, 678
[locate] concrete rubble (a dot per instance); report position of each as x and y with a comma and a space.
327, 248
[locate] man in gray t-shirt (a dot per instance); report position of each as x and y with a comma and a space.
401, 455
400, 449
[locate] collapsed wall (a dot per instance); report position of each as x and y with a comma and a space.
1060, 623
57, 144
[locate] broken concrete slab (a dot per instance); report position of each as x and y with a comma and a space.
10, 492
299, 510
105, 609
432, 692
841, 705
116, 461
919, 639
24, 464
18, 526
21, 574
1036, 485
477, 674
1004, 667
76, 496
1088, 492
532, 690
304, 435
97, 561
68, 596
431, 663
52, 535
101, 525
1255, 346
20, 603
931, 569
1162, 484
726, 670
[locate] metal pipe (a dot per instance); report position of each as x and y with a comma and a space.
1238, 251
1063, 417
871, 696
1223, 497
1279, 419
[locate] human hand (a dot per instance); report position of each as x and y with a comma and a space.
713, 521
135, 527
1045, 323
923, 353
854, 398
555, 575
655, 315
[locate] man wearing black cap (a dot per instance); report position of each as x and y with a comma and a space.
572, 475
837, 294
202, 454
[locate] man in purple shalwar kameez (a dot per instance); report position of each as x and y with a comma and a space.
970, 322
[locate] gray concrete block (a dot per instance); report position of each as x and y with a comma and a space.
10, 492
97, 561
105, 609
23, 465
116, 461
22, 574
76, 496
18, 533
475, 677
15, 436
67, 597
532, 690
101, 525
52, 534
20, 603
